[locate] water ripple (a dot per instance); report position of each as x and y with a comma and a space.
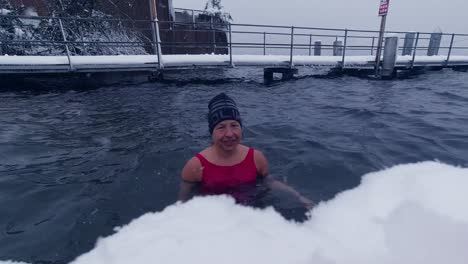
77, 163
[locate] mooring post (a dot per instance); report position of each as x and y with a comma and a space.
414, 51
337, 48
389, 56
70, 65
434, 44
318, 48
408, 43
450, 50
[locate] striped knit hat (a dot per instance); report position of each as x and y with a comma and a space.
221, 108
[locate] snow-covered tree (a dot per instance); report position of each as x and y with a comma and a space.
42, 31
214, 8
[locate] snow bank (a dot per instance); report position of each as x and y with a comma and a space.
415, 214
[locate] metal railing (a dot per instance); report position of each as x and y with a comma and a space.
149, 37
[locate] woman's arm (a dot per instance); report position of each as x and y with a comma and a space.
261, 163
191, 177
187, 190
262, 168
277, 185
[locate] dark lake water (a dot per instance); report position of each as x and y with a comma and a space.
75, 163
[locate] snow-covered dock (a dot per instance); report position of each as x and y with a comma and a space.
127, 63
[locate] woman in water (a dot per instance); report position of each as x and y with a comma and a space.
227, 164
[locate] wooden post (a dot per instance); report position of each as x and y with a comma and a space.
337, 48
318, 48
434, 44
409, 43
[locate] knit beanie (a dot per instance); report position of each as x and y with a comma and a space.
222, 107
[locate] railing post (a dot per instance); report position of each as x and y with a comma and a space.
155, 32
156, 35
310, 45
450, 50
292, 48
230, 46
372, 48
264, 43
414, 51
344, 48
213, 44
70, 65
193, 19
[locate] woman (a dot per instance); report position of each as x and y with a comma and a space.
227, 163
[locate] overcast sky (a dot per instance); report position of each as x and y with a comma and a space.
404, 15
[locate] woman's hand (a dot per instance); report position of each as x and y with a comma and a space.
307, 202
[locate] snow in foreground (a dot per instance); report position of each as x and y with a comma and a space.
416, 213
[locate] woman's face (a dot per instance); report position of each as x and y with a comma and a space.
227, 135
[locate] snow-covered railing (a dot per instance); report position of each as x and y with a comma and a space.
139, 37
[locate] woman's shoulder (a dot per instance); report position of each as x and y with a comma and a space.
258, 155
206, 152
260, 162
192, 171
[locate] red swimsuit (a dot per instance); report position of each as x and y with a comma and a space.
219, 179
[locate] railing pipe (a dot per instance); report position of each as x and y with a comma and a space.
344, 49
230, 46
213, 33
264, 43
372, 48
214, 41
310, 45
158, 44
414, 51
247, 25
450, 49
70, 65
292, 48
193, 19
